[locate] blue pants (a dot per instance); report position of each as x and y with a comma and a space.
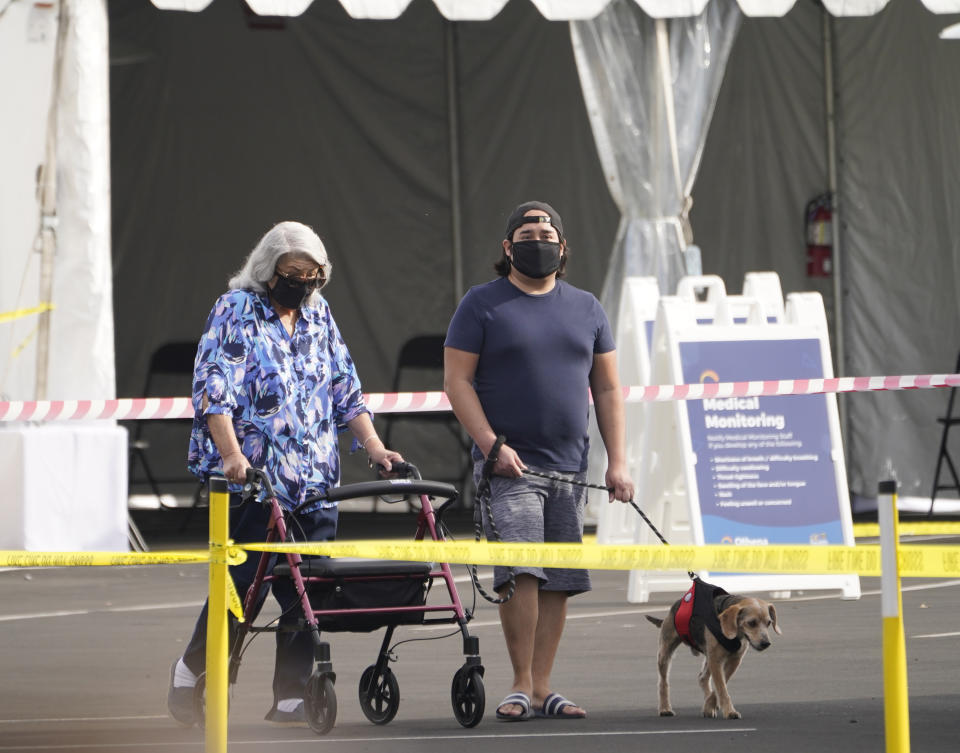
294, 659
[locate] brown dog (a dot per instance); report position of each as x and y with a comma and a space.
737, 622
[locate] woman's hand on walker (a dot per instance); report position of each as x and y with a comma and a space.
384, 458
235, 467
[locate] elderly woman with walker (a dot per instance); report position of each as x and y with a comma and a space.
273, 384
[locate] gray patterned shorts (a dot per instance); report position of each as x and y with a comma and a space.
537, 509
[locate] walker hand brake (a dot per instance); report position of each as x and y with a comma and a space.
256, 479
399, 469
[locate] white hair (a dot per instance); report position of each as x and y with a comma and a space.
283, 238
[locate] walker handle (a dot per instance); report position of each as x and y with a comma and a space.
387, 486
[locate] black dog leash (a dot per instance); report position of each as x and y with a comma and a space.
483, 498
633, 504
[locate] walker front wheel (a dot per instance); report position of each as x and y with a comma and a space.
468, 696
320, 703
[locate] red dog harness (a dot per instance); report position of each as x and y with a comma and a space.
681, 619
697, 606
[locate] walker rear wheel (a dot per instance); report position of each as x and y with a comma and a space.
200, 700
320, 703
468, 696
380, 695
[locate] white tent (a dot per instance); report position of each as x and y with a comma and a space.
55, 201
637, 75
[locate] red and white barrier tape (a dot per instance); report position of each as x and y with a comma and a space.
788, 387
128, 409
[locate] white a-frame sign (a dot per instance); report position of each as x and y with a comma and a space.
635, 319
637, 314
743, 470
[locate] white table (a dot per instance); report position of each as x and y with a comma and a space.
64, 487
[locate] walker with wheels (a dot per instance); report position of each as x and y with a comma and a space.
363, 595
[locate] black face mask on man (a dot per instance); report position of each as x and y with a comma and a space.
535, 259
289, 293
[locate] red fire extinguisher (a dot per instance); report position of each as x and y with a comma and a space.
819, 230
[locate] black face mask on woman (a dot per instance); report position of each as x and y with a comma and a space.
535, 259
290, 293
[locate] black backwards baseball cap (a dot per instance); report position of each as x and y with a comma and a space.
517, 217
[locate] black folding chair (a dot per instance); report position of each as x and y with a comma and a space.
169, 374
949, 421
420, 368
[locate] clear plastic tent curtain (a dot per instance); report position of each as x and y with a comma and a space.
650, 86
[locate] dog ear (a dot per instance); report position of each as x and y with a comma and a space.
773, 618
730, 621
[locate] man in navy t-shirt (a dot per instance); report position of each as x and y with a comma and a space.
520, 355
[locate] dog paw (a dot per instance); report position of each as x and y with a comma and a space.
710, 713
667, 712
734, 714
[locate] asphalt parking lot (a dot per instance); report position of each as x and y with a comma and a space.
86, 655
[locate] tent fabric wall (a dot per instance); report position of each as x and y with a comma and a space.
899, 141
765, 154
900, 124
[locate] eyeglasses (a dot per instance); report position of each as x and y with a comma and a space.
310, 283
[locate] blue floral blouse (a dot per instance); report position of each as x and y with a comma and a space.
287, 394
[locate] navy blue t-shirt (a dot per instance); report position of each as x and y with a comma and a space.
533, 374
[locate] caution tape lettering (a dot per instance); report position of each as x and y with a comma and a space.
915, 560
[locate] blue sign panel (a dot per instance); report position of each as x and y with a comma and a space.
764, 469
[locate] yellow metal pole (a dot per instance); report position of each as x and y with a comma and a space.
217, 628
896, 707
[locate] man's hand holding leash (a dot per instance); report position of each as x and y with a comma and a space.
506, 462
619, 484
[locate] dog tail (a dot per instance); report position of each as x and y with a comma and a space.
655, 620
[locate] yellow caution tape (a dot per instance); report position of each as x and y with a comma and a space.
915, 560
15, 353
9, 316
928, 561
228, 555
919, 528
234, 555
233, 598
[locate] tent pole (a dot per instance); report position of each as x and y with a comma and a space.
47, 191
453, 139
838, 322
